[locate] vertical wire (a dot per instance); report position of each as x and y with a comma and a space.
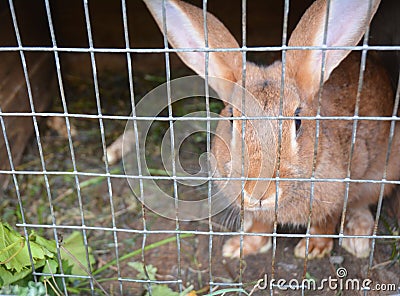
40, 148
208, 148
316, 143
135, 128
281, 94
136, 133
71, 146
172, 139
243, 121
381, 193
102, 133
355, 126
18, 193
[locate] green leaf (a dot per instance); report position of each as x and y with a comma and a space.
49, 245
14, 251
50, 266
67, 268
12, 246
15, 256
16, 262
162, 290
151, 271
76, 253
7, 277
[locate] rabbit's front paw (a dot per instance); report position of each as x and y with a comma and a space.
251, 245
359, 222
318, 247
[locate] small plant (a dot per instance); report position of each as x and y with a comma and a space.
16, 265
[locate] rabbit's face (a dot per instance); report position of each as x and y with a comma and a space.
260, 148
255, 156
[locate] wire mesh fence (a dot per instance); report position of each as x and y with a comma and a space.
138, 181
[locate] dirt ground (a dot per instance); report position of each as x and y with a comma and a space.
193, 264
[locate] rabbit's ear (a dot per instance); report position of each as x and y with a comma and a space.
185, 29
348, 20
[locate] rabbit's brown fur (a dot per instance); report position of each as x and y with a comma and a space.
300, 97
369, 157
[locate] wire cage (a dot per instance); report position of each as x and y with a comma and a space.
111, 184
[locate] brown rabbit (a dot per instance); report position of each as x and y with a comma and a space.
347, 22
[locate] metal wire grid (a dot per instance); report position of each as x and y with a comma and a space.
21, 49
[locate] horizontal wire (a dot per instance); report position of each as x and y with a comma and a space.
132, 280
200, 232
197, 118
197, 178
116, 279
202, 49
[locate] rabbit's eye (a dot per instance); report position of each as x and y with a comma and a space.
297, 121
